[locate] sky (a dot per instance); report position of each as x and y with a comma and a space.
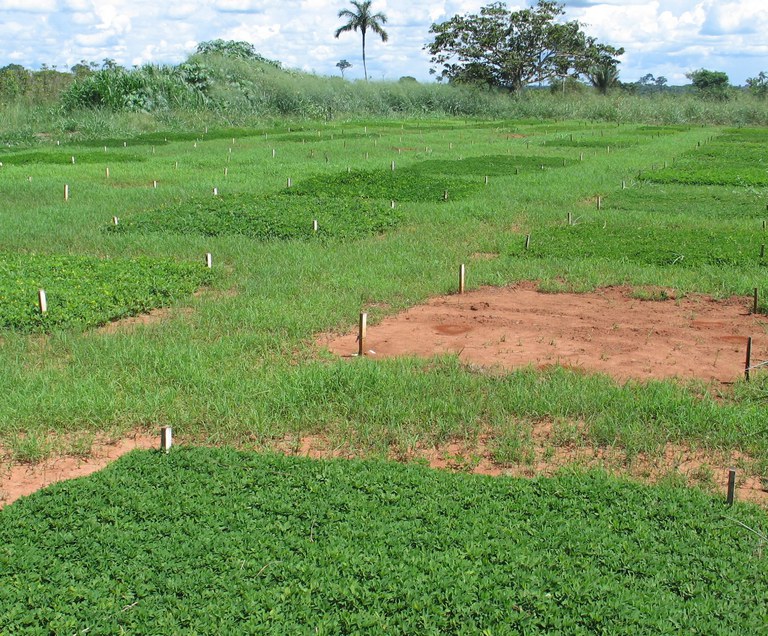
662, 37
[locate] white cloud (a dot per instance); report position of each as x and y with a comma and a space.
663, 37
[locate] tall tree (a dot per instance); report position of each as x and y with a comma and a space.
510, 49
710, 84
361, 19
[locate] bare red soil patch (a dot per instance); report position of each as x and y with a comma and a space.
608, 331
18, 480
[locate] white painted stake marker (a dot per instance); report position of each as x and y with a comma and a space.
208, 260
42, 301
166, 438
66, 192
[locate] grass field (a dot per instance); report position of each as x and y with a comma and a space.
399, 206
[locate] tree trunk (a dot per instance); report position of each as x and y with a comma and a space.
365, 68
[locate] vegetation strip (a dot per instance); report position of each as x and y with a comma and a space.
297, 545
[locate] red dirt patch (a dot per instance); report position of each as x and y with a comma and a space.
608, 331
19, 480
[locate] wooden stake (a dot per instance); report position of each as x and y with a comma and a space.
314, 225
623, 185
393, 166
599, 202
166, 439
392, 204
42, 301
273, 153
570, 218
486, 180
748, 361
731, 495
527, 241
361, 333
115, 220
66, 192
208, 260
445, 195
176, 165
215, 192
754, 301
73, 160
154, 184
581, 156
462, 273
106, 172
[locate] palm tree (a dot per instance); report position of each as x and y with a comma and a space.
363, 20
603, 76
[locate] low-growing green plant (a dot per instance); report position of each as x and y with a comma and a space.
84, 291
266, 217
210, 541
398, 185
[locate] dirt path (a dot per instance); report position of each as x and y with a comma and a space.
608, 331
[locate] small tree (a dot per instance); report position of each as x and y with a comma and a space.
361, 20
603, 76
758, 86
343, 65
710, 84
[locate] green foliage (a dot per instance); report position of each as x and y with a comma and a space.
213, 541
737, 158
266, 217
511, 49
758, 86
233, 49
397, 185
84, 291
57, 157
710, 84
663, 246
490, 165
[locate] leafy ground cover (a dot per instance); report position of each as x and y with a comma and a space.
397, 185
84, 291
266, 217
735, 159
652, 245
489, 165
64, 158
213, 540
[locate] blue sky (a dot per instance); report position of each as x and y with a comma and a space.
662, 37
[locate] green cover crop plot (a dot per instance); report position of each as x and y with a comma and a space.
266, 217
490, 165
651, 245
400, 185
84, 291
63, 158
211, 541
738, 158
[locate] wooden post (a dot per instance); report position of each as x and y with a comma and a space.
754, 301
570, 218
486, 179
623, 185
66, 192
748, 361
731, 495
462, 274
215, 192
599, 202
527, 241
115, 220
226, 172
208, 260
166, 439
106, 172
314, 225
176, 165
392, 204
154, 184
361, 333
273, 153
762, 251
393, 166
42, 301
73, 160
581, 156
288, 183
445, 195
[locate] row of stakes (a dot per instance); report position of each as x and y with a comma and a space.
166, 442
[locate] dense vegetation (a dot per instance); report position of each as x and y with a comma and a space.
213, 541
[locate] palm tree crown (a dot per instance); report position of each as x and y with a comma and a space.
362, 19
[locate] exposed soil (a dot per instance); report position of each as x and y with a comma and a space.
609, 331
20, 479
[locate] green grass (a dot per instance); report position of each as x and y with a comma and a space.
212, 541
